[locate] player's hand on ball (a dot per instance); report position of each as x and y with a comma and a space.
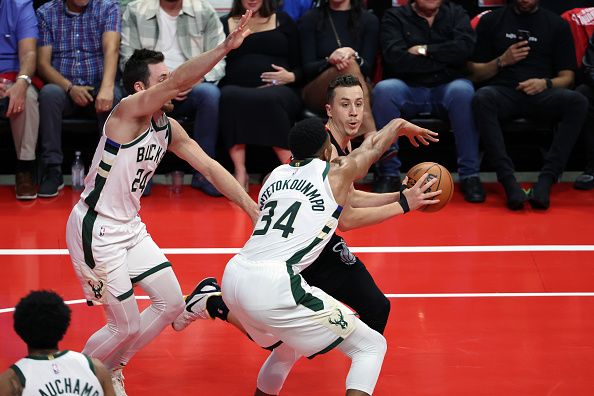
420, 194
415, 133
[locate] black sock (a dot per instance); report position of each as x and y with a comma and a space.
25, 166
216, 308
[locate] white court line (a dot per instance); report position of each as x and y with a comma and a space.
361, 249
416, 295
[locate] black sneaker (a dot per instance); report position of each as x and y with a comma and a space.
585, 181
472, 189
386, 184
200, 182
51, 182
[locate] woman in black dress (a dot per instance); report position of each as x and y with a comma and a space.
338, 37
259, 99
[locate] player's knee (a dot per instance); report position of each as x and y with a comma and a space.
128, 329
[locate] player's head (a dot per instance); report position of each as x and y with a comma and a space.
309, 139
144, 69
41, 319
345, 104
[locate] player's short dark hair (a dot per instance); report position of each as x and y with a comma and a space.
136, 68
344, 80
307, 138
41, 319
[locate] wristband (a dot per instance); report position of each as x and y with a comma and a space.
404, 203
549, 83
402, 188
69, 88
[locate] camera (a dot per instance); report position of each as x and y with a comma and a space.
523, 35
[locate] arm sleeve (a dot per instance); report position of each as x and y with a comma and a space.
130, 36
112, 18
369, 42
45, 34
27, 23
397, 60
459, 49
589, 63
564, 58
290, 27
312, 66
484, 51
213, 36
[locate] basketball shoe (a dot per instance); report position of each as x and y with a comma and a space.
117, 379
196, 303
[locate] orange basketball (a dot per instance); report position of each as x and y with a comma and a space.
435, 171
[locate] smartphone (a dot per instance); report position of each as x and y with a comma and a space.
523, 35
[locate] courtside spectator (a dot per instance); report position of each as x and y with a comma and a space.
78, 58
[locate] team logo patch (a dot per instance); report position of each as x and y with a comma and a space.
56, 368
97, 288
345, 254
337, 319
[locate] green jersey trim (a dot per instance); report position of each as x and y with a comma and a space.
19, 374
91, 364
50, 356
151, 271
126, 295
328, 348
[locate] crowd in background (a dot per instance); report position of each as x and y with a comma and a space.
423, 57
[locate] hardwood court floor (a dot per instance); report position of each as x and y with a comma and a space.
484, 301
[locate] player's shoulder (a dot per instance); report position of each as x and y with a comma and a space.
10, 383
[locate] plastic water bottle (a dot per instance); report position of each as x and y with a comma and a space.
78, 173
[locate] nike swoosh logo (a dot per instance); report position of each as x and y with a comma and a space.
189, 306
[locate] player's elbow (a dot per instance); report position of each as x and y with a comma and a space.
345, 225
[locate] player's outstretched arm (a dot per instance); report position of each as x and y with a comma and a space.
104, 377
187, 149
185, 76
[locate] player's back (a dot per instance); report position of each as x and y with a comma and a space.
298, 213
66, 373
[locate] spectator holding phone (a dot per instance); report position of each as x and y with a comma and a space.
525, 55
77, 56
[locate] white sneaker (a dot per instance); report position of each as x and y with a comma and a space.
117, 379
196, 303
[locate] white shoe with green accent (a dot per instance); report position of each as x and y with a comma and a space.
117, 379
196, 303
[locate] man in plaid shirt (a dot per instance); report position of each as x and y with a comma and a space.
77, 57
181, 29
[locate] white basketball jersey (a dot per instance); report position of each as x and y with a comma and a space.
298, 214
66, 373
119, 172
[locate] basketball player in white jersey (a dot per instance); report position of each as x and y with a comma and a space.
300, 206
41, 319
110, 248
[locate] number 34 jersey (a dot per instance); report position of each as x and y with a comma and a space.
298, 214
119, 172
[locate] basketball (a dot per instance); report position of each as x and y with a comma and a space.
435, 171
